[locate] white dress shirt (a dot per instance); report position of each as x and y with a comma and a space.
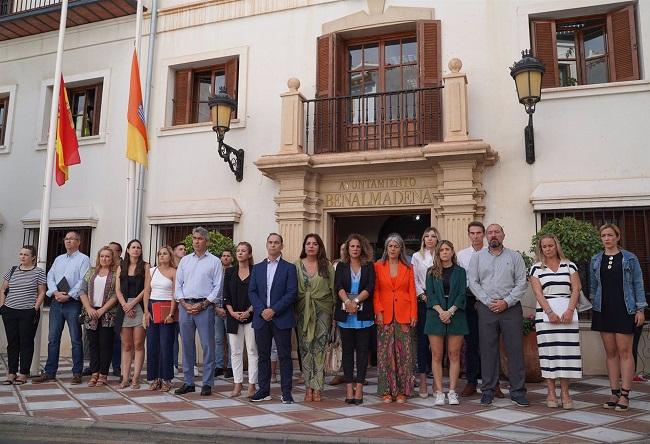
465, 256
420, 266
271, 267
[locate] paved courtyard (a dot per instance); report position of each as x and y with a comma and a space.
417, 419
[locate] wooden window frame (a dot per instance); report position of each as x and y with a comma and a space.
621, 49
97, 103
185, 107
580, 59
4, 104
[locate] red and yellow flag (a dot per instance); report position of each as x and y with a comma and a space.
136, 133
67, 147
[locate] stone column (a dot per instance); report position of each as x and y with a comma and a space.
460, 200
298, 209
454, 99
292, 126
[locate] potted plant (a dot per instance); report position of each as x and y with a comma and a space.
218, 243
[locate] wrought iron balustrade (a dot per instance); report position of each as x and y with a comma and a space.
373, 121
8, 7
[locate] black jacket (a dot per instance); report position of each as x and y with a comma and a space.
343, 280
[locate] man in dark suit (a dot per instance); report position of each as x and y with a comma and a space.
272, 292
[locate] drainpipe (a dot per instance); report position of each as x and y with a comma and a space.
147, 101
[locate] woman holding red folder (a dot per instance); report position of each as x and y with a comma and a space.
158, 319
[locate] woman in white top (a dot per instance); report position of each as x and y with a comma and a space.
99, 299
556, 285
421, 262
158, 319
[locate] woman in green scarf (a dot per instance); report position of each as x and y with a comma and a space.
314, 306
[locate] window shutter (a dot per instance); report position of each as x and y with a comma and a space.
324, 62
324, 110
98, 109
232, 78
430, 75
623, 59
544, 46
182, 91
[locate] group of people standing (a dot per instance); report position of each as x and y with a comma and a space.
420, 307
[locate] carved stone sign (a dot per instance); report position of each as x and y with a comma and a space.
381, 191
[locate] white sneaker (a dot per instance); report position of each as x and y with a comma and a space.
440, 399
452, 397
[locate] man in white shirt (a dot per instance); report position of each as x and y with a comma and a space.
476, 234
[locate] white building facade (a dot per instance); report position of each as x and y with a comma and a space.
381, 149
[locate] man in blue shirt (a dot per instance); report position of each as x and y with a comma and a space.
199, 278
63, 283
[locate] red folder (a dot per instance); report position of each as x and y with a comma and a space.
161, 311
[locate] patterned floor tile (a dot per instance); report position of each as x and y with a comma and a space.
587, 417
427, 413
43, 392
634, 425
187, 415
602, 382
51, 405
262, 420
8, 400
518, 433
285, 408
506, 415
605, 392
354, 411
99, 395
344, 425
217, 403
605, 434
156, 399
117, 410
72, 413
554, 424
428, 429
469, 422
140, 418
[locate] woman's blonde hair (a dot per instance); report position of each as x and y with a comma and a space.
171, 255
114, 258
422, 244
613, 227
436, 268
539, 256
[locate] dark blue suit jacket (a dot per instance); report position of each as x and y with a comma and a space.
283, 294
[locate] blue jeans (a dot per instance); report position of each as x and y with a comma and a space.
59, 315
221, 359
189, 325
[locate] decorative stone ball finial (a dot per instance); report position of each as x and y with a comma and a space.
293, 84
455, 64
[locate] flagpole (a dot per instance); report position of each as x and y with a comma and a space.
130, 181
44, 226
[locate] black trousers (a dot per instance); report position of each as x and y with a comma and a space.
355, 340
100, 345
20, 327
422, 341
472, 355
263, 338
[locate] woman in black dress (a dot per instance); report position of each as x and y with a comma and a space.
238, 323
616, 287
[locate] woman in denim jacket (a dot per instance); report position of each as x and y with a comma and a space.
618, 304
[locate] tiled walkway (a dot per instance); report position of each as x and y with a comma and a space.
416, 419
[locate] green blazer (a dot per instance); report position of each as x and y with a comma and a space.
436, 296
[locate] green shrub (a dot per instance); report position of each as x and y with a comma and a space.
218, 243
579, 240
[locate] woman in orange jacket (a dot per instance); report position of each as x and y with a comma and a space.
396, 314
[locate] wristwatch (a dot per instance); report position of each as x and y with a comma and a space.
356, 301
205, 304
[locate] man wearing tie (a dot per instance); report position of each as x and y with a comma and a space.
272, 292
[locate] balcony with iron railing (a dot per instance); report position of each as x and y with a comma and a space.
22, 18
375, 121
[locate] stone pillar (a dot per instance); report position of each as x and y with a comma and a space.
460, 198
454, 100
298, 209
292, 126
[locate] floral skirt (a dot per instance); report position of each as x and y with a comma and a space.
312, 353
394, 360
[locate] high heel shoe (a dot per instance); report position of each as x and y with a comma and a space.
308, 395
612, 404
625, 393
316, 396
236, 391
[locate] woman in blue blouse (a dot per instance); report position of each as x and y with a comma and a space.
354, 282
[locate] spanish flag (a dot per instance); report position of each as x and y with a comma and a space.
136, 133
67, 147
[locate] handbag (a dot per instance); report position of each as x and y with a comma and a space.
584, 304
333, 352
11, 273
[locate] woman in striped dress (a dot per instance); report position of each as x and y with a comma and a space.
556, 286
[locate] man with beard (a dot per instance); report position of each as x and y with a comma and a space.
497, 277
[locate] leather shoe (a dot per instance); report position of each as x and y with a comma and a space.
227, 373
218, 372
206, 390
469, 390
43, 377
76, 379
185, 388
498, 393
